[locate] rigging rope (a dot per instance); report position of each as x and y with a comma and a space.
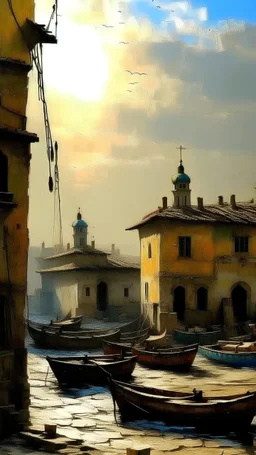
37, 57
57, 200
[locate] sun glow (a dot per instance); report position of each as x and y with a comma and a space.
78, 65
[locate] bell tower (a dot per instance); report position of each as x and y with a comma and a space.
80, 231
181, 181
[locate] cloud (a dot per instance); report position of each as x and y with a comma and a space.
117, 136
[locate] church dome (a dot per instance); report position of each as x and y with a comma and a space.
181, 177
79, 222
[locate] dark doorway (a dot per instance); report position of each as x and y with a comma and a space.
4, 323
179, 302
202, 297
239, 301
102, 296
3, 173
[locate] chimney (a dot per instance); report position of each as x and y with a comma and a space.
220, 198
233, 201
93, 243
164, 199
113, 250
68, 246
43, 246
200, 203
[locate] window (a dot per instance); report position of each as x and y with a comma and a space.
146, 292
202, 298
241, 244
3, 173
185, 247
126, 292
149, 251
87, 292
81, 242
185, 200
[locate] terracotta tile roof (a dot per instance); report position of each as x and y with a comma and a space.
132, 262
244, 214
121, 263
72, 251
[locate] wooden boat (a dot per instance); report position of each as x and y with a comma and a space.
156, 340
201, 338
79, 370
56, 340
65, 318
232, 413
72, 324
76, 333
115, 348
236, 359
167, 359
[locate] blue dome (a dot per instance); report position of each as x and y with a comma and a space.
181, 178
80, 223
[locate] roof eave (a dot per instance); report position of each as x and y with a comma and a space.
11, 133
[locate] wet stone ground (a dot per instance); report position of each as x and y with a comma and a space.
87, 413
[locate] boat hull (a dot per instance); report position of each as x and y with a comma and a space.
201, 338
67, 325
53, 340
231, 415
239, 359
76, 371
181, 358
111, 348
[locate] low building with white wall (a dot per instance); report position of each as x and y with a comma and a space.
89, 281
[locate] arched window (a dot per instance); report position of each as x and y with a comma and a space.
149, 251
202, 299
3, 173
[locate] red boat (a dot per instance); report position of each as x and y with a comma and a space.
178, 357
112, 348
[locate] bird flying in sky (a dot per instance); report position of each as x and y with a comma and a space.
136, 72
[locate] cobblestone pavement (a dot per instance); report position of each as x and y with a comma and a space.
87, 413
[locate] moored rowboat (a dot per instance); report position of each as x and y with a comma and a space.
212, 413
79, 370
236, 359
115, 348
167, 359
201, 338
55, 340
66, 325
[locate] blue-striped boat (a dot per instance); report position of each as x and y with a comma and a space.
234, 359
201, 338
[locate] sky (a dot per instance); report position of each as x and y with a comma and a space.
118, 132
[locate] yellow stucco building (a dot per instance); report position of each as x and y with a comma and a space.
18, 35
197, 260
